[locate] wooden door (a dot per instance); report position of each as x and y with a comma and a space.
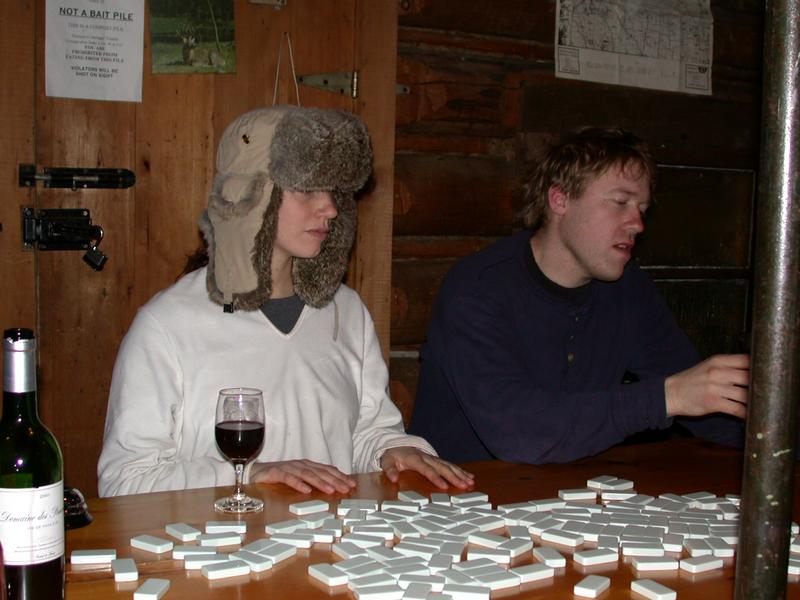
168, 140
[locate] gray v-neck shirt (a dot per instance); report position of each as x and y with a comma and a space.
283, 312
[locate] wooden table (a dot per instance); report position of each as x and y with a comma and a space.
679, 466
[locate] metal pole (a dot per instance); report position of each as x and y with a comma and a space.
762, 559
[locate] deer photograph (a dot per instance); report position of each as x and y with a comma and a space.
193, 37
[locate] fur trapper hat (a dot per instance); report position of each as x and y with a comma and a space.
260, 154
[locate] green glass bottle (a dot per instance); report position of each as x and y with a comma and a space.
31, 481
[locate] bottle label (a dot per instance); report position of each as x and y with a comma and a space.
32, 524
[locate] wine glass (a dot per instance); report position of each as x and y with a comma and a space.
239, 431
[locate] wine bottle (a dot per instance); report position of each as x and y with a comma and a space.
31, 481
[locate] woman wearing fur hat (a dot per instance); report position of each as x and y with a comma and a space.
268, 311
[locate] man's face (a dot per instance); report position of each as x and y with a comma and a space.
598, 229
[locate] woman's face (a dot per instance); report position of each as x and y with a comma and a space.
303, 224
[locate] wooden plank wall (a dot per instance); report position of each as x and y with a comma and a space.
17, 76
481, 103
169, 141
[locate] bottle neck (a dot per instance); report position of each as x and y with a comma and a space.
19, 384
20, 406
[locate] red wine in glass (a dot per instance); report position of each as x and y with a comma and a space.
239, 440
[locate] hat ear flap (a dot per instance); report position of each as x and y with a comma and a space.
317, 279
230, 229
261, 255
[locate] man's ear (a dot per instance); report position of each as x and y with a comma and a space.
557, 200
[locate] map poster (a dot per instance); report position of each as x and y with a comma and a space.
94, 49
658, 44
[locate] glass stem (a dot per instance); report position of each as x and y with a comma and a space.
238, 492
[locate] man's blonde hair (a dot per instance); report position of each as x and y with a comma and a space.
577, 159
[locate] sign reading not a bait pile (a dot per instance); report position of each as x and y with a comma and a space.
94, 48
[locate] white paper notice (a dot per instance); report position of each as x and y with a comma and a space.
658, 44
94, 49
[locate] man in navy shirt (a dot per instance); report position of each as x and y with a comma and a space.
531, 338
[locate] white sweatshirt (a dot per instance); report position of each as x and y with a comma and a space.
325, 390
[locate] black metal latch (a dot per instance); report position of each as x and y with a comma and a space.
63, 229
76, 177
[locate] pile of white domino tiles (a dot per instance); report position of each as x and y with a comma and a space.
433, 534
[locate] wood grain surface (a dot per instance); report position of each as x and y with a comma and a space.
679, 466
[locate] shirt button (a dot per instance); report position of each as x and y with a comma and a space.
570, 356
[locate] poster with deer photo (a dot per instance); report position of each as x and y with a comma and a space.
192, 36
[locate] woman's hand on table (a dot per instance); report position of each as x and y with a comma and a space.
303, 476
439, 472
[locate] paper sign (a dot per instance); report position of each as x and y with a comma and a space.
657, 44
94, 48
